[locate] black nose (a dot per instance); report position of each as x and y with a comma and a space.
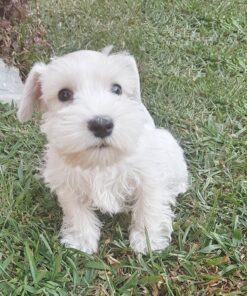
101, 126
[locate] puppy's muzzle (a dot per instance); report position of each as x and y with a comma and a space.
101, 126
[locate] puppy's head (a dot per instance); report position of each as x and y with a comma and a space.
92, 107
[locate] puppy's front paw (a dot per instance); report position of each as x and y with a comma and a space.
88, 245
138, 241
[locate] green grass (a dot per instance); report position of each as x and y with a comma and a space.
192, 57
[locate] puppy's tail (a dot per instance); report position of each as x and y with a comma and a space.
11, 86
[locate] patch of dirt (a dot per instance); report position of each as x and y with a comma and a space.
11, 13
13, 9
22, 34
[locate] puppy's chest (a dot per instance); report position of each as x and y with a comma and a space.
110, 190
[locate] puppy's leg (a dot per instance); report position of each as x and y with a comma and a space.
81, 227
151, 215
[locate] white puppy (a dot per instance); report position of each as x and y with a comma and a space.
103, 149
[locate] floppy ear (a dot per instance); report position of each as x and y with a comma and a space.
31, 93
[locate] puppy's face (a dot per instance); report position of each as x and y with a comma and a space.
92, 107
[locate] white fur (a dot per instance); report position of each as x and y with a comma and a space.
142, 169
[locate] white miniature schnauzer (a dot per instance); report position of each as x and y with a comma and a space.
104, 151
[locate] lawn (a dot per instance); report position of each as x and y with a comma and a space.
192, 57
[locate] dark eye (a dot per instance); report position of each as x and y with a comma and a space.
116, 89
65, 95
